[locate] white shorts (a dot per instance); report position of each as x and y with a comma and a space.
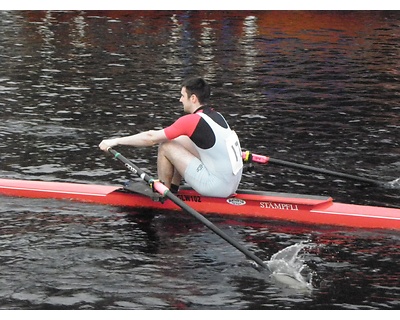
207, 183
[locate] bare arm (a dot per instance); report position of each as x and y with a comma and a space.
143, 139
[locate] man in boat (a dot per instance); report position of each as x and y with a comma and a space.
199, 146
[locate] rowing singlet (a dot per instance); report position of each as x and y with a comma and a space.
218, 145
226, 146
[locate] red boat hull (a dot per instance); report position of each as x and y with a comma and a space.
266, 205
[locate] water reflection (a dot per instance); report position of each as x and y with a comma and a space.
312, 87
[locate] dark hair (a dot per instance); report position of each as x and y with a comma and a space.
199, 87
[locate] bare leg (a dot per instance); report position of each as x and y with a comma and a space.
189, 145
173, 158
177, 178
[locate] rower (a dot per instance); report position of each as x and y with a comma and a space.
199, 147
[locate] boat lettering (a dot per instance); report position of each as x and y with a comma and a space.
189, 198
280, 206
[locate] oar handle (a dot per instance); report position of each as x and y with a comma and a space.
251, 157
164, 191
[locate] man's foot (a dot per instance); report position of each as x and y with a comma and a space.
174, 188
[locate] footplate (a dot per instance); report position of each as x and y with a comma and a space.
143, 189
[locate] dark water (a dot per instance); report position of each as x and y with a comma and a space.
318, 88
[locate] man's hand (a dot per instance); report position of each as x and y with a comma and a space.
109, 143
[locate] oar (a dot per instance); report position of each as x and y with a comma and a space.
247, 156
164, 191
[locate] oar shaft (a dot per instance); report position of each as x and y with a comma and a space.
265, 159
130, 165
163, 190
323, 171
214, 228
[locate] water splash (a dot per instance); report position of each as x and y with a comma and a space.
395, 184
288, 267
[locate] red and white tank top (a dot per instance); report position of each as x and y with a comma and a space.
217, 144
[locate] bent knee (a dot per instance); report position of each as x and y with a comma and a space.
176, 153
167, 147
